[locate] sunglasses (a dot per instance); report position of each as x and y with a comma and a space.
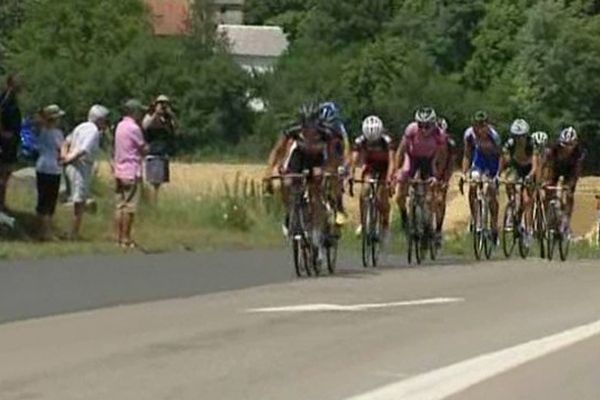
425, 125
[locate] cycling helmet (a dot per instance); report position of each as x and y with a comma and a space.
443, 124
309, 112
480, 117
567, 135
372, 128
540, 138
519, 127
426, 115
328, 111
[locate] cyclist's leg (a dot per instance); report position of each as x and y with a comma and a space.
527, 199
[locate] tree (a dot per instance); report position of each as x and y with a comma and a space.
495, 42
11, 15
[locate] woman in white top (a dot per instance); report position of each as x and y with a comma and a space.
48, 167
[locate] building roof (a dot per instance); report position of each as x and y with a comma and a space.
169, 17
251, 40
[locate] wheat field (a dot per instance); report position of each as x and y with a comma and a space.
199, 179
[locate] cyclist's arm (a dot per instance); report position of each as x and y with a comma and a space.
451, 160
398, 159
354, 161
277, 154
468, 153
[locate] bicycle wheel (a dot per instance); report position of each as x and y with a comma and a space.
297, 257
433, 246
419, 233
564, 243
523, 245
366, 236
539, 228
478, 232
508, 231
488, 242
551, 233
331, 248
375, 235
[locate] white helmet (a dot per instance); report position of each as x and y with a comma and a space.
567, 135
443, 124
372, 128
540, 138
426, 115
97, 112
519, 127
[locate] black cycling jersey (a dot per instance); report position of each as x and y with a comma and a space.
512, 148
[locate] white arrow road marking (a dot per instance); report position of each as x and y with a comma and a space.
442, 383
356, 307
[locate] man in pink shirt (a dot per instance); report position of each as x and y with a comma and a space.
130, 149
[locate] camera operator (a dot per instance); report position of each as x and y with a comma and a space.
160, 128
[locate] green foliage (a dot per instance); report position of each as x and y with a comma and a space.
77, 53
538, 59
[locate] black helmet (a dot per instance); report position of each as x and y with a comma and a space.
309, 112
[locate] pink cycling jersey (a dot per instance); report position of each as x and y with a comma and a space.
420, 150
419, 145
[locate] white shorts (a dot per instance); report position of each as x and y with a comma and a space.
80, 180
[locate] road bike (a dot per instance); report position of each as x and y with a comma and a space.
371, 223
420, 223
539, 221
331, 231
483, 240
514, 227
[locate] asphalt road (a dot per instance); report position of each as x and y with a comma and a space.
517, 330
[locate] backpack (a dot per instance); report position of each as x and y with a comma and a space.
29, 141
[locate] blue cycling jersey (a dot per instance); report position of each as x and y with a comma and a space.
485, 159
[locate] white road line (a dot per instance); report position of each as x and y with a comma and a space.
442, 383
356, 307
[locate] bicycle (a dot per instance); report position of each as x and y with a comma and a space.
514, 227
483, 242
331, 231
539, 221
420, 223
371, 223
299, 225
557, 229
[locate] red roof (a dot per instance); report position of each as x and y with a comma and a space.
169, 17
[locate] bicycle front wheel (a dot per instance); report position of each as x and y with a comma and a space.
564, 243
508, 231
478, 232
540, 229
366, 236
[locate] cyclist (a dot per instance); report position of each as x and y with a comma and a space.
482, 158
417, 155
540, 140
303, 146
445, 167
521, 162
375, 150
338, 152
565, 159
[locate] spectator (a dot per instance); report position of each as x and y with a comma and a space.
10, 128
48, 167
79, 153
130, 148
160, 127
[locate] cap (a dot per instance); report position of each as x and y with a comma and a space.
53, 111
163, 99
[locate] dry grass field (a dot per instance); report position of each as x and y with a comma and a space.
211, 178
